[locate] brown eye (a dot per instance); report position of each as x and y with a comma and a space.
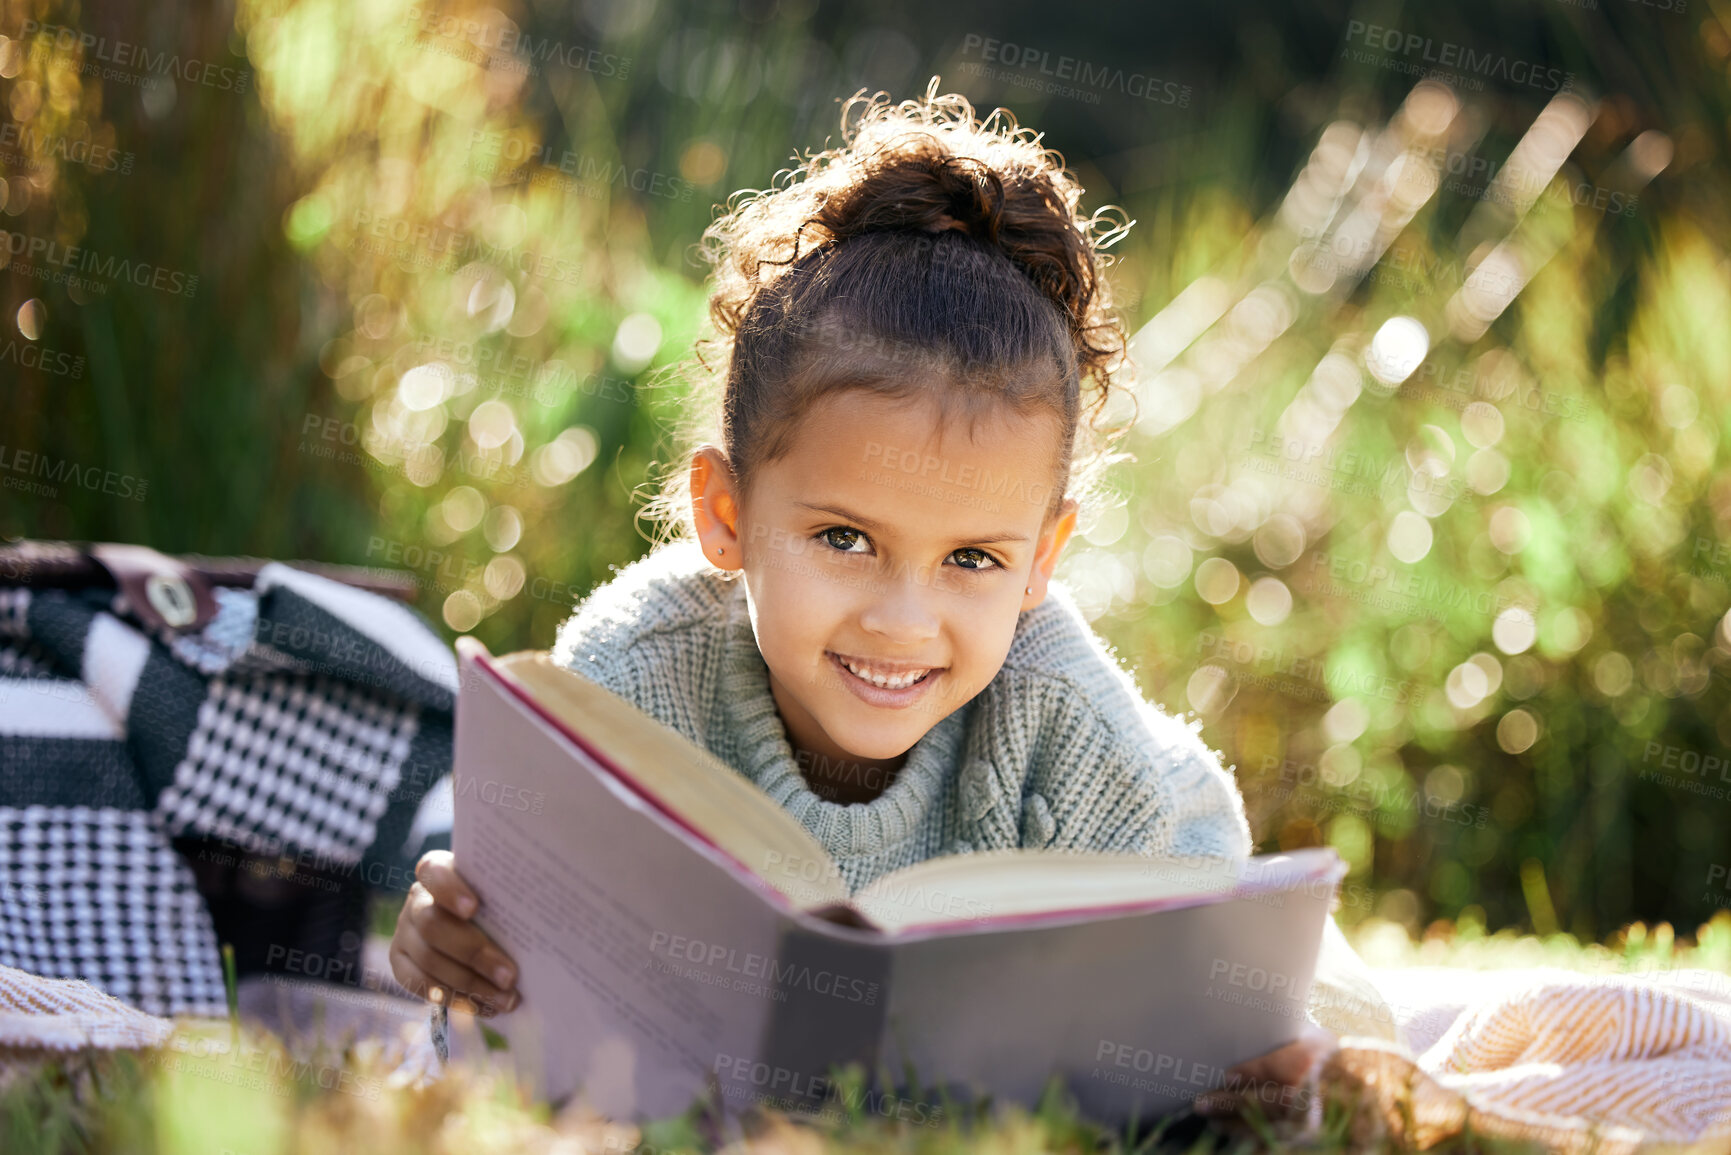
981, 559
849, 536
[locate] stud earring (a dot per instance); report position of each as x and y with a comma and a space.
1030, 589
719, 550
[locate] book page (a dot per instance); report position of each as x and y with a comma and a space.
1008, 884
732, 813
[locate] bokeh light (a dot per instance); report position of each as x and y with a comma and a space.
1398, 348
1217, 581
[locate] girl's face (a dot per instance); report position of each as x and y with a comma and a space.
886, 563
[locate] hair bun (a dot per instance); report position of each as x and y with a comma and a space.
932, 166
946, 223
914, 182
929, 166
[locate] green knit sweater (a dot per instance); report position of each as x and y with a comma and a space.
1060, 750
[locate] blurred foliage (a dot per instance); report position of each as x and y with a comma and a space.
1429, 511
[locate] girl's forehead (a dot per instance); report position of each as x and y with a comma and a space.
919, 422
881, 463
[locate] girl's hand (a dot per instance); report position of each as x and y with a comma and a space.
439, 954
1281, 1083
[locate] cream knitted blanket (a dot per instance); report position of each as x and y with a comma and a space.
41, 1017
69, 1015
1578, 1062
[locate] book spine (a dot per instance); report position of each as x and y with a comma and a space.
828, 1011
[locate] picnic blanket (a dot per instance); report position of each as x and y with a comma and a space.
307, 719
1614, 1064
68, 1015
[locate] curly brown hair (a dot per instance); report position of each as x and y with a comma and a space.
930, 247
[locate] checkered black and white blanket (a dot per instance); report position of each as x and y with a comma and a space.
308, 719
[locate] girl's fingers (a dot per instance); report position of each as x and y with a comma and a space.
464, 943
417, 981
1292, 1063
1216, 1103
431, 975
445, 949
409, 975
1280, 1077
437, 872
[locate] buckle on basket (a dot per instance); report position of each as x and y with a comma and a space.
166, 594
172, 599
162, 591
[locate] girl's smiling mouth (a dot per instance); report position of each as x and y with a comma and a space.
883, 683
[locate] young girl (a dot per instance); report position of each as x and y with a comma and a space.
859, 615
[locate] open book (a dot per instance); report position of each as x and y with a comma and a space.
677, 932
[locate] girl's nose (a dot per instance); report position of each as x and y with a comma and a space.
902, 609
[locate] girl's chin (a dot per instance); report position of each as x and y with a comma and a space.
875, 739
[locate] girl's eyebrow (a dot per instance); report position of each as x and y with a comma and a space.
868, 524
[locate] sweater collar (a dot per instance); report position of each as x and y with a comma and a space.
765, 756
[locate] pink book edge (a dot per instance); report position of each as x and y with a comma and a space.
521, 693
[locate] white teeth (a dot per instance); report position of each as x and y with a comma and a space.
898, 682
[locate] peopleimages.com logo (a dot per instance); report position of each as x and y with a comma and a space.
51, 260
1418, 50
26, 463
526, 52
33, 356
32, 145
136, 59
1064, 72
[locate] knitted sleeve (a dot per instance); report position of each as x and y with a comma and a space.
1107, 770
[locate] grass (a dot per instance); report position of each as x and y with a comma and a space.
1634, 949
121, 1102
215, 1089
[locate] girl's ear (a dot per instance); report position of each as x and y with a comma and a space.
1052, 543
715, 507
